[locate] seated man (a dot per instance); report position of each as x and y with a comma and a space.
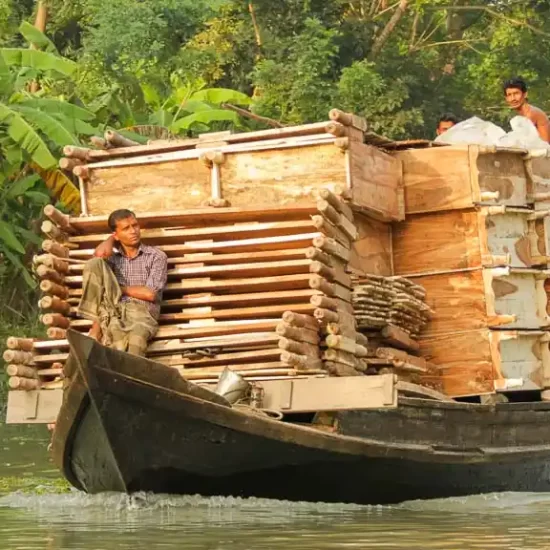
122, 287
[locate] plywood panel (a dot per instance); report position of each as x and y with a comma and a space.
457, 299
437, 242
470, 300
161, 186
461, 239
436, 179
284, 177
372, 251
465, 361
376, 181
446, 178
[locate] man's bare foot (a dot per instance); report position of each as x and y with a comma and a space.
95, 331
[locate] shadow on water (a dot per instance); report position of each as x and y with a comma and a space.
39, 518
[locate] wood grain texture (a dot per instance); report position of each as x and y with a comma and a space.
471, 300
447, 178
465, 361
285, 177
436, 242
462, 239
376, 181
372, 251
152, 187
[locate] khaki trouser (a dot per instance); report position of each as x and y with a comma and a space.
126, 326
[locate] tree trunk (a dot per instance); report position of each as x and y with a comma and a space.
388, 29
40, 23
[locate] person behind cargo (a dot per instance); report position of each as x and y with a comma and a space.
446, 121
122, 287
515, 93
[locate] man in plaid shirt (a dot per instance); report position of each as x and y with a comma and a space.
122, 287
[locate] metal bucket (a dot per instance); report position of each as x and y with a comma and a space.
232, 386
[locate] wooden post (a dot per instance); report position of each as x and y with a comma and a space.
21, 370
16, 356
81, 153
56, 333
44, 272
297, 334
300, 320
55, 248
304, 362
56, 320
53, 289
18, 383
55, 304
62, 220
22, 344
117, 140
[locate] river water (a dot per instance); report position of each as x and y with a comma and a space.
37, 511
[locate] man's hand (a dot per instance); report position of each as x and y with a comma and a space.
105, 249
139, 292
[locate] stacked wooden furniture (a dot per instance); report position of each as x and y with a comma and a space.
258, 241
476, 241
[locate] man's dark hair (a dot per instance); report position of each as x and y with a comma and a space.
118, 215
448, 117
515, 82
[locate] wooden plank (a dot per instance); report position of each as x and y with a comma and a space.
231, 286
240, 340
167, 185
238, 300
221, 232
237, 246
238, 313
330, 394
33, 407
150, 219
284, 177
376, 181
235, 358
372, 251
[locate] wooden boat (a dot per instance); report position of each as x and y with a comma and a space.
130, 424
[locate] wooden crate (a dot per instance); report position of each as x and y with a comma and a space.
490, 297
267, 173
448, 178
475, 237
485, 361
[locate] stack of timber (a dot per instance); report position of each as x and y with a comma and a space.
391, 312
263, 292
477, 240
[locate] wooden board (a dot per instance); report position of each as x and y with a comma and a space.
283, 177
447, 178
150, 187
33, 407
484, 361
372, 251
376, 182
462, 239
538, 171
330, 394
471, 300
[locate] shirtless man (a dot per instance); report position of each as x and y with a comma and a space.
515, 92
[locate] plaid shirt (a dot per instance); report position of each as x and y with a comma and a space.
148, 269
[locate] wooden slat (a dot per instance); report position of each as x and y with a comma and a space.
196, 217
161, 236
237, 300
235, 358
238, 313
235, 246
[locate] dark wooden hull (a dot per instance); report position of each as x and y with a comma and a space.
129, 424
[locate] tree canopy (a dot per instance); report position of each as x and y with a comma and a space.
399, 63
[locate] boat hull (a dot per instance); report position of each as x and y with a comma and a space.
120, 430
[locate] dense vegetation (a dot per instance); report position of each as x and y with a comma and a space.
170, 67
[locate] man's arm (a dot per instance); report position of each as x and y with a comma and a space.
139, 293
543, 127
156, 281
105, 249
